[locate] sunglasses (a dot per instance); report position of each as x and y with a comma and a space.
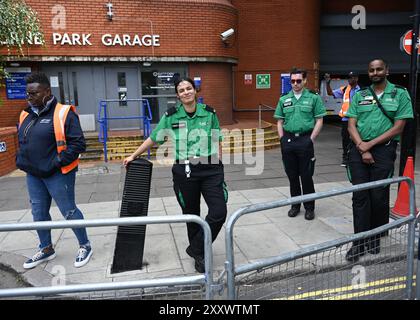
298, 81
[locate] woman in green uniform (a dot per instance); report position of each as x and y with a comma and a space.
194, 129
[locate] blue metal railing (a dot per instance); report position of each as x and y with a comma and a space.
103, 121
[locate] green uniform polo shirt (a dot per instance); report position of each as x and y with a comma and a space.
198, 135
299, 115
371, 122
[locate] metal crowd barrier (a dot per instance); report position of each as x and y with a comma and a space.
205, 279
103, 120
293, 275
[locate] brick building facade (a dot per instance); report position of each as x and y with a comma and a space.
90, 57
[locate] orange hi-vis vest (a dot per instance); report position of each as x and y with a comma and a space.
346, 101
60, 114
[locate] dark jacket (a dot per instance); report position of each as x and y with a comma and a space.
37, 153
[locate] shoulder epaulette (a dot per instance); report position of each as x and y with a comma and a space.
170, 111
313, 91
400, 87
209, 109
394, 91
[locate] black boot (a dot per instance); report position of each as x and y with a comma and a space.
293, 212
199, 260
373, 244
356, 251
309, 214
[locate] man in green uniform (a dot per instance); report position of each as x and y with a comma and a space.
195, 132
377, 117
299, 117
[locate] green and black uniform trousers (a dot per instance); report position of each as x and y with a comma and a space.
371, 207
299, 163
208, 180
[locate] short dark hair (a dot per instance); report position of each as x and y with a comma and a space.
303, 72
38, 77
380, 59
179, 80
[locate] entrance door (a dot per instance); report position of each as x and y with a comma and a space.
74, 85
122, 84
159, 89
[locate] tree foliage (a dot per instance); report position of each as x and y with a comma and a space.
19, 25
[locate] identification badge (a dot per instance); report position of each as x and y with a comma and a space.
179, 125
45, 121
287, 104
365, 102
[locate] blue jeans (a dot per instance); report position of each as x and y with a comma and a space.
59, 187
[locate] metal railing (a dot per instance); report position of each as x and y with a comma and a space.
233, 271
103, 120
261, 107
205, 279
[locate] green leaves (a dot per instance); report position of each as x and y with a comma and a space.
19, 25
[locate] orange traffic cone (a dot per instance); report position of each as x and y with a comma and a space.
402, 204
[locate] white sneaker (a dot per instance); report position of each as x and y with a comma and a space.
38, 258
83, 256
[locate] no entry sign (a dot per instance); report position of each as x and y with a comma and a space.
406, 42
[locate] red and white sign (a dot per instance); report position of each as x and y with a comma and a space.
406, 42
248, 78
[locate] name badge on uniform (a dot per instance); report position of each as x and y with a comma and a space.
365, 102
45, 121
287, 104
179, 125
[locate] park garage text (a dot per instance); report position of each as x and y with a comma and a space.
86, 39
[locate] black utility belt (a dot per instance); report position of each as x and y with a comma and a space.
298, 134
199, 160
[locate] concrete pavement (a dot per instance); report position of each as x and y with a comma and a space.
257, 235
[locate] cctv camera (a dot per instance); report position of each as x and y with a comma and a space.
226, 34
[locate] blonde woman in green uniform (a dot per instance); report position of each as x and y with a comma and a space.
194, 127
377, 117
299, 116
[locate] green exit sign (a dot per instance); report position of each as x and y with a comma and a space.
263, 81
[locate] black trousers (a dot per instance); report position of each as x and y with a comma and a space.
299, 164
206, 180
345, 139
371, 207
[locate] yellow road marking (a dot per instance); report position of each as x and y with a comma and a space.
366, 293
324, 292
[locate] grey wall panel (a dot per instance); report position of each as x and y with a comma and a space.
343, 48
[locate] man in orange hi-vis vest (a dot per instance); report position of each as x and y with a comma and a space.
50, 142
346, 93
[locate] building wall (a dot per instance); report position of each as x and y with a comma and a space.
189, 30
274, 36
7, 159
186, 27
10, 109
216, 89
